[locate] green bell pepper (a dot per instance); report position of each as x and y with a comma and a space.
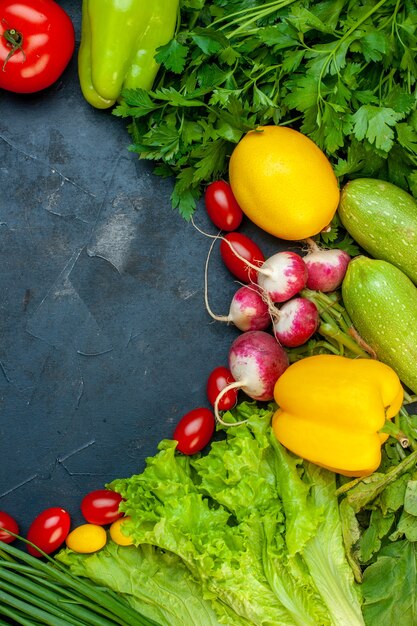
119, 39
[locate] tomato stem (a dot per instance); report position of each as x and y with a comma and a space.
15, 39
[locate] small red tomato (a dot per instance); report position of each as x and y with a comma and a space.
222, 207
247, 249
36, 43
7, 523
48, 530
101, 507
219, 378
194, 430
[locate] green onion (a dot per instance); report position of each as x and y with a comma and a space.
17, 617
34, 592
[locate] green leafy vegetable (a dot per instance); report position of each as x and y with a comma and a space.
35, 592
389, 586
155, 582
379, 520
343, 72
248, 527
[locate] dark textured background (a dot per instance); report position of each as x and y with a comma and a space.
104, 338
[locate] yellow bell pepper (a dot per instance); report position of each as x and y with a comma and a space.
332, 408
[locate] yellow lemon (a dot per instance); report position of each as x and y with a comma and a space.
283, 182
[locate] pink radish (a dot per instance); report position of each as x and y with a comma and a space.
282, 276
248, 310
326, 268
296, 321
256, 361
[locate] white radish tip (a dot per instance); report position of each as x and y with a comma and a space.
235, 385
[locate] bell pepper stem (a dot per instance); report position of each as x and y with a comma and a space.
406, 422
392, 429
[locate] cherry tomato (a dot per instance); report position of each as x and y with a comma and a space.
222, 207
116, 532
48, 530
7, 523
194, 430
87, 538
247, 249
219, 378
36, 43
101, 507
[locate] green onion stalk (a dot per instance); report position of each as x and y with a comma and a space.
33, 592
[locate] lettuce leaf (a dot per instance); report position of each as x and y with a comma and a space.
148, 578
169, 508
248, 530
314, 532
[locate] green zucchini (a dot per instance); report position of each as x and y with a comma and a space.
382, 304
382, 219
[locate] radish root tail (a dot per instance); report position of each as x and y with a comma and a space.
235, 385
362, 343
257, 268
219, 318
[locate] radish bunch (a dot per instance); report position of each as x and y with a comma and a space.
268, 308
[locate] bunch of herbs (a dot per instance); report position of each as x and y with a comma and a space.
342, 72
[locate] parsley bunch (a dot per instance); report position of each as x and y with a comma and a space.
343, 72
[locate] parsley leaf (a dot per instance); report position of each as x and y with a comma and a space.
375, 124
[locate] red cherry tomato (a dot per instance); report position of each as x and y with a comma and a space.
219, 378
36, 43
194, 430
222, 206
48, 530
7, 523
247, 249
101, 507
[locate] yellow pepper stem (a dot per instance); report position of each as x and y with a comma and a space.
392, 429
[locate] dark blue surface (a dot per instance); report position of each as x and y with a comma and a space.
104, 338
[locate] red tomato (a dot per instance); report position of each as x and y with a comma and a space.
219, 378
7, 523
194, 430
48, 530
36, 43
101, 507
222, 206
247, 249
